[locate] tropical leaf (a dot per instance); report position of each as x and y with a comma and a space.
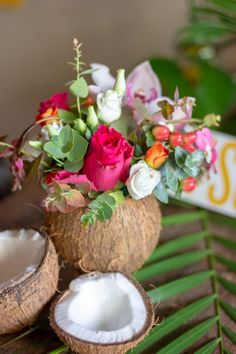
186, 327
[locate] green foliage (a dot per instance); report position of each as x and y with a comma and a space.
102, 207
209, 78
79, 88
160, 192
178, 253
149, 138
69, 145
212, 20
66, 116
179, 166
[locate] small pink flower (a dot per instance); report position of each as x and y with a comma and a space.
18, 172
206, 142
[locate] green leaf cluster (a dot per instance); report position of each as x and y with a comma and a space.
102, 207
179, 166
181, 252
69, 147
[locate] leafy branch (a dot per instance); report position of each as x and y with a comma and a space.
102, 207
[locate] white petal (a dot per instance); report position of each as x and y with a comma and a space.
102, 77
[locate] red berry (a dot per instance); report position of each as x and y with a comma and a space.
188, 147
161, 132
190, 138
188, 184
176, 139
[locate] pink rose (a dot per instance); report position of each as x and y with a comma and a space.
108, 159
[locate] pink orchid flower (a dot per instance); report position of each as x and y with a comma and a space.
206, 142
182, 110
143, 83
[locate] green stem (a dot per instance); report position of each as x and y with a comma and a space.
19, 337
214, 283
185, 120
6, 144
77, 59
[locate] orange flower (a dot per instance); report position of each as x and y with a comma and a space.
157, 155
50, 113
48, 108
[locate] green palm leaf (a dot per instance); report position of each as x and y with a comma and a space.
164, 260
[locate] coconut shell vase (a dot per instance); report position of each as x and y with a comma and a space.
28, 277
122, 243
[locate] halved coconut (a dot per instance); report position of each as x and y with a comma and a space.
122, 243
102, 313
28, 277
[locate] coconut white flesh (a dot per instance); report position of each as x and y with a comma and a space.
21, 252
102, 308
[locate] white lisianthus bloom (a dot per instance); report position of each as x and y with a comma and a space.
53, 129
109, 106
142, 180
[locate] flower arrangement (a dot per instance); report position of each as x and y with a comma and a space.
118, 138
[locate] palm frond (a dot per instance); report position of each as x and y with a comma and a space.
186, 327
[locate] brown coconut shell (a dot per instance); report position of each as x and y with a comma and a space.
85, 347
21, 303
122, 243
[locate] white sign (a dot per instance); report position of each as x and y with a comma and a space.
219, 192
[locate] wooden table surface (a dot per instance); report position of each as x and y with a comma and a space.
22, 209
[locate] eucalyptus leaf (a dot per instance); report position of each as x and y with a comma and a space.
160, 192
73, 166
53, 149
79, 147
66, 116
180, 156
65, 139
79, 88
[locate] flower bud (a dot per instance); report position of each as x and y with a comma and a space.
92, 119
212, 120
80, 126
120, 84
156, 155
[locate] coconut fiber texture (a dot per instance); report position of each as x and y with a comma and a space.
122, 243
22, 302
84, 347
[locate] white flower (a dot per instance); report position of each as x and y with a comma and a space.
142, 180
109, 106
49, 130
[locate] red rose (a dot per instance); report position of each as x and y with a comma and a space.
108, 159
48, 108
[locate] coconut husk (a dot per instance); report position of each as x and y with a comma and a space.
85, 347
22, 302
122, 243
